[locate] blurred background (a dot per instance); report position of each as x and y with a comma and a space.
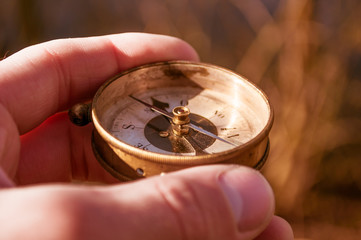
305, 54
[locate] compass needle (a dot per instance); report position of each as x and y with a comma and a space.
191, 125
154, 108
201, 130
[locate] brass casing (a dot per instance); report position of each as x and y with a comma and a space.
127, 162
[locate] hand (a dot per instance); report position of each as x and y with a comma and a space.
209, 202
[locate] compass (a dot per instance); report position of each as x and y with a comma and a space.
167, 116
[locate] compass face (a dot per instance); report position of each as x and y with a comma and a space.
138, 125
167, 116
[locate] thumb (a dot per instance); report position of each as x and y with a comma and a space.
209, 202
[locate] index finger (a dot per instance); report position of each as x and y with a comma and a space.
46, 78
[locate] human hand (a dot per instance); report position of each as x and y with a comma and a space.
209, 202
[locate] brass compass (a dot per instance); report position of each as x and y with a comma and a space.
167, 116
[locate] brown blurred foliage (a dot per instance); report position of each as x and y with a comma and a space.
305, 54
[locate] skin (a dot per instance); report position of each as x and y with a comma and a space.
42, 154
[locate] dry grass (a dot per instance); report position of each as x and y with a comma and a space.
305, 54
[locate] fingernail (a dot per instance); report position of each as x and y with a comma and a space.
250, 197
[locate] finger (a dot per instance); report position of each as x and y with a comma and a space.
43, 79
5, 181
9, 146
277, 229
58, 151
209, 202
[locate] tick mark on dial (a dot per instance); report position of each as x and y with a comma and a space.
225, 129
235, 135
219, 114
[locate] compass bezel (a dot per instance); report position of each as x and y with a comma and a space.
133, 81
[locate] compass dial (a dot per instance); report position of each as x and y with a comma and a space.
141, 127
